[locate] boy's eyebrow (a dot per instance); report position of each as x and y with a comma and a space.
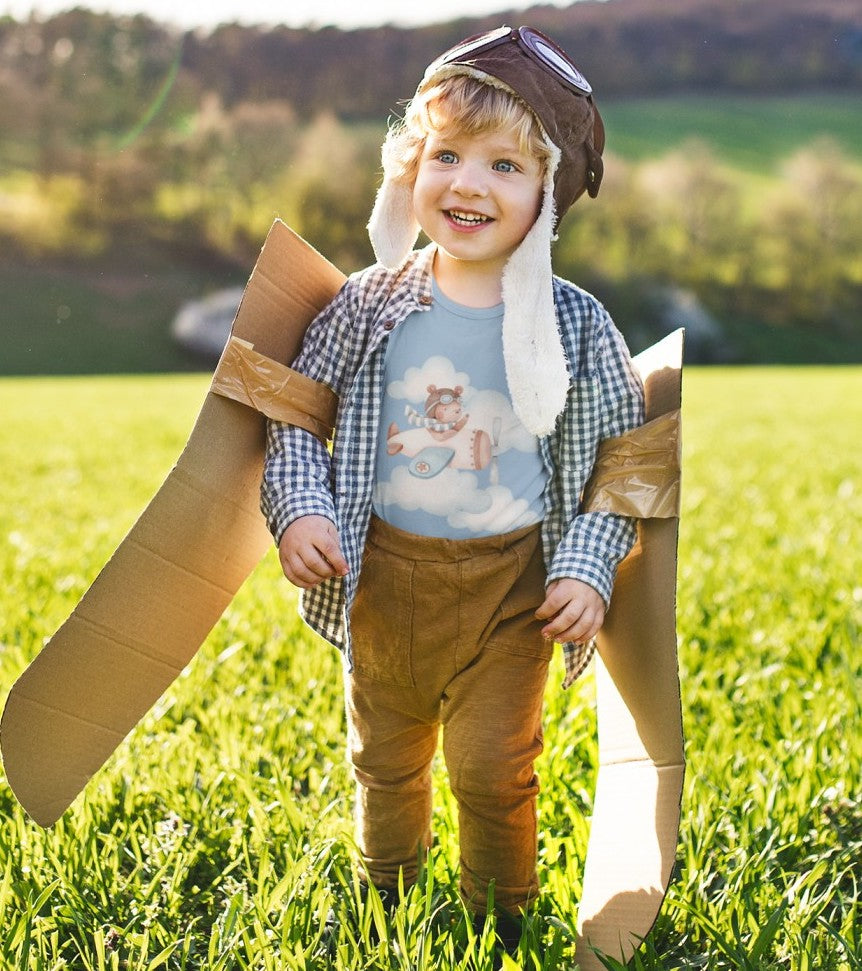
503, 147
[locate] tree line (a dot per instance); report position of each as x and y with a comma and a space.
789, 254
80, 74
117, 129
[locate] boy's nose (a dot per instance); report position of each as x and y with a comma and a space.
469, 181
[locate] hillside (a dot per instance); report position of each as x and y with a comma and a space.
140, 166
626, 48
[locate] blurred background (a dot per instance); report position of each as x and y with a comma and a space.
145, 151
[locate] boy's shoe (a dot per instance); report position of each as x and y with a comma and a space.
509, 933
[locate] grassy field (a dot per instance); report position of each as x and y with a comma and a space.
754, 133
217, 837
106, 315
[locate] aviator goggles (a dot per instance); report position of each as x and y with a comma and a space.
443, 399
539, 48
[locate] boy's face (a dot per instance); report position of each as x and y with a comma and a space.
476, 196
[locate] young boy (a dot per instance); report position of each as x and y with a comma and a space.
440, 546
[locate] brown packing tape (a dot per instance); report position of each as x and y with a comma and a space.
150, 608
635, 824
274, 389
637, 474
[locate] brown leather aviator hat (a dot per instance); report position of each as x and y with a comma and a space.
541, 74
531, 68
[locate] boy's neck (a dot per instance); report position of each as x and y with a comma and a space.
468, 283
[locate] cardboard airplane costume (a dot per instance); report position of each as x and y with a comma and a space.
152, 606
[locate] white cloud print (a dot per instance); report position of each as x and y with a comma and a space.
436, 370
456, 493
457, 497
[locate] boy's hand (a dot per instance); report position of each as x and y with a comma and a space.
575, 610
310, 553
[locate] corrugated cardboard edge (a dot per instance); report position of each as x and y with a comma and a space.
635, 825
169, 581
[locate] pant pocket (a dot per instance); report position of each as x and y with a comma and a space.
515, 628
381, 620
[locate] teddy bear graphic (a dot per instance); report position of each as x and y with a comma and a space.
441, 436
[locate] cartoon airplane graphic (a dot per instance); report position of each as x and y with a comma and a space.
444, 438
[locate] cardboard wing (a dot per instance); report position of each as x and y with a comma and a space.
171, 578
153, 604
635, 824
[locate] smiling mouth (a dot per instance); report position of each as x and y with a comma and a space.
467, 218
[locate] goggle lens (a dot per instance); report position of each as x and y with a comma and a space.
541, 48
554, 58
473, 44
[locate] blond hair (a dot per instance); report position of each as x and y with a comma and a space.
465, 105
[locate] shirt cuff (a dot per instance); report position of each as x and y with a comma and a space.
295, 506
593, 550
587, 567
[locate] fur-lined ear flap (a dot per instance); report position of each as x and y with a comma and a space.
392, 227
536, 368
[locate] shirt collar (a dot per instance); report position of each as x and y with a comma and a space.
418, 276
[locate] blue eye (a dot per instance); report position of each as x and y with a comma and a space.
504, 165
448, 157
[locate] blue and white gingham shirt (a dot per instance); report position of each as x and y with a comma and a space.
345, 349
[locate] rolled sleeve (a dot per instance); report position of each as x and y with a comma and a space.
593, 549
296, 478
610, 402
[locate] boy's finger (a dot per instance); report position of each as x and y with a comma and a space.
302, 573
330, 550
553, 603
576, 622
567, 620
579, 633
584, 629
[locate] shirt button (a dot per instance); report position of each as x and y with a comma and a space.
389, 325
426, 300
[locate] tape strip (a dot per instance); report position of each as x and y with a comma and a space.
275, 390
637, 474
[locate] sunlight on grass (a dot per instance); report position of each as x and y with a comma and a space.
218, 835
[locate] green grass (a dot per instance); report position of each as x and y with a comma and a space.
750, 132
217, 837
111, 315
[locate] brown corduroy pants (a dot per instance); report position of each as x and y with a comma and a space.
444, 635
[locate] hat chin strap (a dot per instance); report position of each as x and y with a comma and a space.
392, 226
536, 369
